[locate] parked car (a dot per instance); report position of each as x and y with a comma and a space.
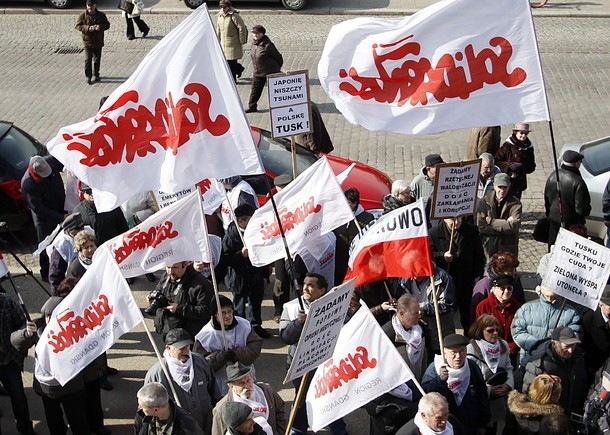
595, 170
276, 155
16, 148
293, 5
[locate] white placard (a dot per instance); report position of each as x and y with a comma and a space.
321, 330
286, 121
164, 199
288, 89
578, 269
455, 190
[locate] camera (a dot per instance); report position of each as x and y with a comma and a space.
157, 300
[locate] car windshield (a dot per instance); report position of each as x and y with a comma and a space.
597, 156
16, 149
277, 157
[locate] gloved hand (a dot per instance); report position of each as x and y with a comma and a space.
516, 167
229, 355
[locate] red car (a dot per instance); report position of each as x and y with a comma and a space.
276, 155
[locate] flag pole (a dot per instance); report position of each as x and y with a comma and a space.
23, 307
451, 243
438, 319
293, 146
297, 401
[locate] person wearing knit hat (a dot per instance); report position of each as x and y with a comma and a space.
422, 186
515, 157
238, 417
266, 59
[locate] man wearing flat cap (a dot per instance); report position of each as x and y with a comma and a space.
575, 199
561, 356
265, 402
246, 282
192, 377
422, 185
460, 381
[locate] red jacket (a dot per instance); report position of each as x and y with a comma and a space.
504, 314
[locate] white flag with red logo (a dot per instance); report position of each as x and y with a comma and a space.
175, 121
212, 195
176, 233
3, 266
309, 207
365, 364
88, 321
395, 246
455, 64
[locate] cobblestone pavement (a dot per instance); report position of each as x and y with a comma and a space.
43, 90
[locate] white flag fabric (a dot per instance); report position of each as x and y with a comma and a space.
3, 266
365, 364
455, 64
88, 321
176, 233
309, 207
212, 195
174, 122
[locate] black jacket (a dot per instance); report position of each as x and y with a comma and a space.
46, 196
183, 423
241, 275
595, 342
574, 197
345, 234
266, 59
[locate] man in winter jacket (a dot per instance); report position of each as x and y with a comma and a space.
561, 356
92, 24
575, 199
266, 59
422, 186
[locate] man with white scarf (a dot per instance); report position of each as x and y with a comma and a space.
266, 403
460, 381
432, 418
192, 377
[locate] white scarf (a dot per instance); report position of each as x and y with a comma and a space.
458, 380
425, 430
182, 372
491, 353
413, 337
260, 408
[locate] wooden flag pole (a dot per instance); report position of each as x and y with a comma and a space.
297, 401
438, 319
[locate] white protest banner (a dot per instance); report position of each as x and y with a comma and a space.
404, 75
578, 269
455, 189
364, 365
309, 207
165, 199
319, 336
177, 120
88, 321
176, 233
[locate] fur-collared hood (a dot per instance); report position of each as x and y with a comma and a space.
521, 405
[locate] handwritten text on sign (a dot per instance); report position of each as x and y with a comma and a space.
321, 330
455, 192
578, 269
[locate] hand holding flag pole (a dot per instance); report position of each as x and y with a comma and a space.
449, 258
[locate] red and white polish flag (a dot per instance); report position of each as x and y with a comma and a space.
455, 64
98, 311
176, 233
175, 121
395, 245
309, 207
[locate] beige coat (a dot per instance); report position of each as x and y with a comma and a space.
232, 33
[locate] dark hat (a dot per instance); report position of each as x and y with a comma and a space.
235, 413
572, 156
236, 371
178, 337
501, 179
224, 302
50, 305
230, 180
282, 180
503, 280
565, 335
40, 166
433, 160
84, 186
72, 221
258, 28
455, 340
243, 211
91, 2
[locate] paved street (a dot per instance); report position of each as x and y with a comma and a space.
42, 90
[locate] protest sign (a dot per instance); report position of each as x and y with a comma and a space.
455, 189
289, 103
321, 330
165, 199
578, 269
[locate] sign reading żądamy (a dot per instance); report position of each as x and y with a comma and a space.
455, 190
578, 269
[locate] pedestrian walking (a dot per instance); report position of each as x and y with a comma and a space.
92, 24
134, 16
516, 158
232, 34
266, 59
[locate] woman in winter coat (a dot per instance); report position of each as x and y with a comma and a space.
138, 7
232, 34
266, 59
84, 244
541, 399
492, 355
516, 158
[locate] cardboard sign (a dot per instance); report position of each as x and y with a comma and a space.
286, 121
321, 330
289, 103
578, 269
164, 199
455, 189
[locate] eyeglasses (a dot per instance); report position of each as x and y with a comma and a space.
507, 289
492, 330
